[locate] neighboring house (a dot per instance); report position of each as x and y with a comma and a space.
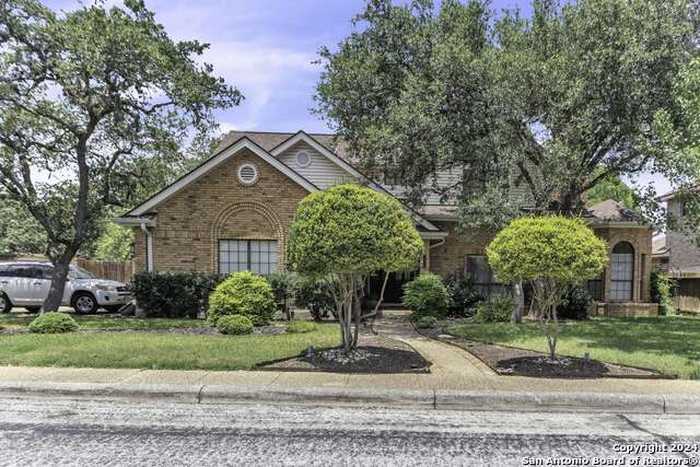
233, 213
679, 256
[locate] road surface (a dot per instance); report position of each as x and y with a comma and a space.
43, 431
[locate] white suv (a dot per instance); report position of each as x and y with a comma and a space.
26, 284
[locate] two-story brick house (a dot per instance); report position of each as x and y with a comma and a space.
679, 255
233, 212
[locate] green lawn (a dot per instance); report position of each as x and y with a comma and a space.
105, 321
670, 345
158, 351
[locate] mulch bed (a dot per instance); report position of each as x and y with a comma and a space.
512, 361
379, 355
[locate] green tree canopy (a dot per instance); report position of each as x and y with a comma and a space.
90, 101
351, 231
551, 253
553, 104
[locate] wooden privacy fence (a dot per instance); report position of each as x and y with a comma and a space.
113, 270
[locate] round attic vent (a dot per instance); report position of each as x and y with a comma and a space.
303, 159
247, 174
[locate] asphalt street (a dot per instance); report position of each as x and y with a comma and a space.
56, 431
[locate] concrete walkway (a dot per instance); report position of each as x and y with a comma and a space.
454, 371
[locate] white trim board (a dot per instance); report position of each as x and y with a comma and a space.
206, 167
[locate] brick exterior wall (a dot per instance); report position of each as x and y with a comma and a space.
449, 258
218, 206
640, 239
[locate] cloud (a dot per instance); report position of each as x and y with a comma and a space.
265, 75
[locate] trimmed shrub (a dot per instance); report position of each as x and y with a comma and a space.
426, 295
173, 295
463, 297
235, 325
426, 322
243, 293
316, 295
576, 304
53, 323
662, 292
497, 309
298, 327
283, 285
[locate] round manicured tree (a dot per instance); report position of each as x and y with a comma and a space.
552, 253
350, 231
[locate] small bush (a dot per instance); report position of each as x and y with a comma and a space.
463, 297
53, 323
298, 327
426, 295
235, 325
283, 285
662, 292
243, 293
316, 295
173, 295
498, 308
426, 322
576, 304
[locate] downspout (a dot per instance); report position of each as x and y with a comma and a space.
149, 247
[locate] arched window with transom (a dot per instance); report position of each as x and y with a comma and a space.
622, 272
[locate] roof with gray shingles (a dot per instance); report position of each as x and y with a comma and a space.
268, 140
612, 211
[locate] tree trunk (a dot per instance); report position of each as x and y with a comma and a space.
381, 294
519, 297
58, 283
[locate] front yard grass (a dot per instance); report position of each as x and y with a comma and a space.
106, 321
670, 344
158, 351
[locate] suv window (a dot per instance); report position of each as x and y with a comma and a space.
6, 270
26, 270
45, 272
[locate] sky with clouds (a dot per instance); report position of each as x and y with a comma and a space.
266, 48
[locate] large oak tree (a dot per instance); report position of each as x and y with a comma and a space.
553, 104
90, 100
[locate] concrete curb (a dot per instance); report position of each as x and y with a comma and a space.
420, 399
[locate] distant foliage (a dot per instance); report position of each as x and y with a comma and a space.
316, 295
497, 309
662, 292
463, 297
53, 323
243, 293
576, 303
173, 295
426, 295
234, 325
20, 233
115, 244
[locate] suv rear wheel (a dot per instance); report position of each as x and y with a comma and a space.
5, 304
84, 303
